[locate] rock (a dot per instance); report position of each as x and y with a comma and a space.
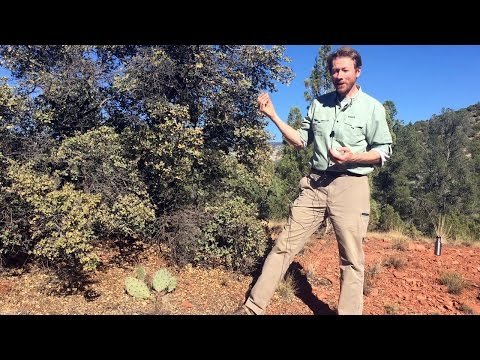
187, 304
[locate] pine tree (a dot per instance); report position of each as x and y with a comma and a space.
320, 81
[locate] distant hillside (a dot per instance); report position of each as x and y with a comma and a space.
276, 150
473, 114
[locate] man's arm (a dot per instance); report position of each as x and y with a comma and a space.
379, 139
291, 135
344, 155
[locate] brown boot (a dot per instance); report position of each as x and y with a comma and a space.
243, 310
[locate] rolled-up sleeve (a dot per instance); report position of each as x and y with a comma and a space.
305, 132
378, 134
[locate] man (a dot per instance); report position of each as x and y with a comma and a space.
349, 133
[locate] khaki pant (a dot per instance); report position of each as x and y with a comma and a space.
347, 200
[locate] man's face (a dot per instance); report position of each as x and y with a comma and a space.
344, 75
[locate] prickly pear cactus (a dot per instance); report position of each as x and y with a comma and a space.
140, 273
136, 288
163, 280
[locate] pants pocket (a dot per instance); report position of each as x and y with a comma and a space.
303, 183
364, 219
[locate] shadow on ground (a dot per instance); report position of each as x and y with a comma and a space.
304, 292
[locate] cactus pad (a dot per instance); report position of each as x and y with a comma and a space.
136, 288
140, 273
163, 280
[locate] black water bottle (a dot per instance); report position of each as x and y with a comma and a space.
438, 246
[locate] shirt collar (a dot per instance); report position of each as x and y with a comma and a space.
347, 101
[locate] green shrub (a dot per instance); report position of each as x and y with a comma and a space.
375, 214
182, 232
234, 237
278, 200
130, 216
62, 221
169, 153
97, 162
250, 183
15, 239
463, 227
63, 225
390, 220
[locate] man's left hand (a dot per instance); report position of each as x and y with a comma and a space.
342, 155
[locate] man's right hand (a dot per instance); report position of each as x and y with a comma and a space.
265, 105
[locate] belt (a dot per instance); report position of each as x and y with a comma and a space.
333, 173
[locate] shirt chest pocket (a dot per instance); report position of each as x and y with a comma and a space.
354, 129
321, 127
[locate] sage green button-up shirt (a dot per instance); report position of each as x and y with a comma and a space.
358, 123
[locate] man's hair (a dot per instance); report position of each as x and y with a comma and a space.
345, 51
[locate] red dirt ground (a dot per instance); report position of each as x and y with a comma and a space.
413, 288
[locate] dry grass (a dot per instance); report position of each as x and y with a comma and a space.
400, 240
399, 244
310, 274
370, 273
442, 229
391, 235
391, 309
466, 309
454, 281
287, 287
474, 243
395, 262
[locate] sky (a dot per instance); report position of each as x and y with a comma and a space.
419, 79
